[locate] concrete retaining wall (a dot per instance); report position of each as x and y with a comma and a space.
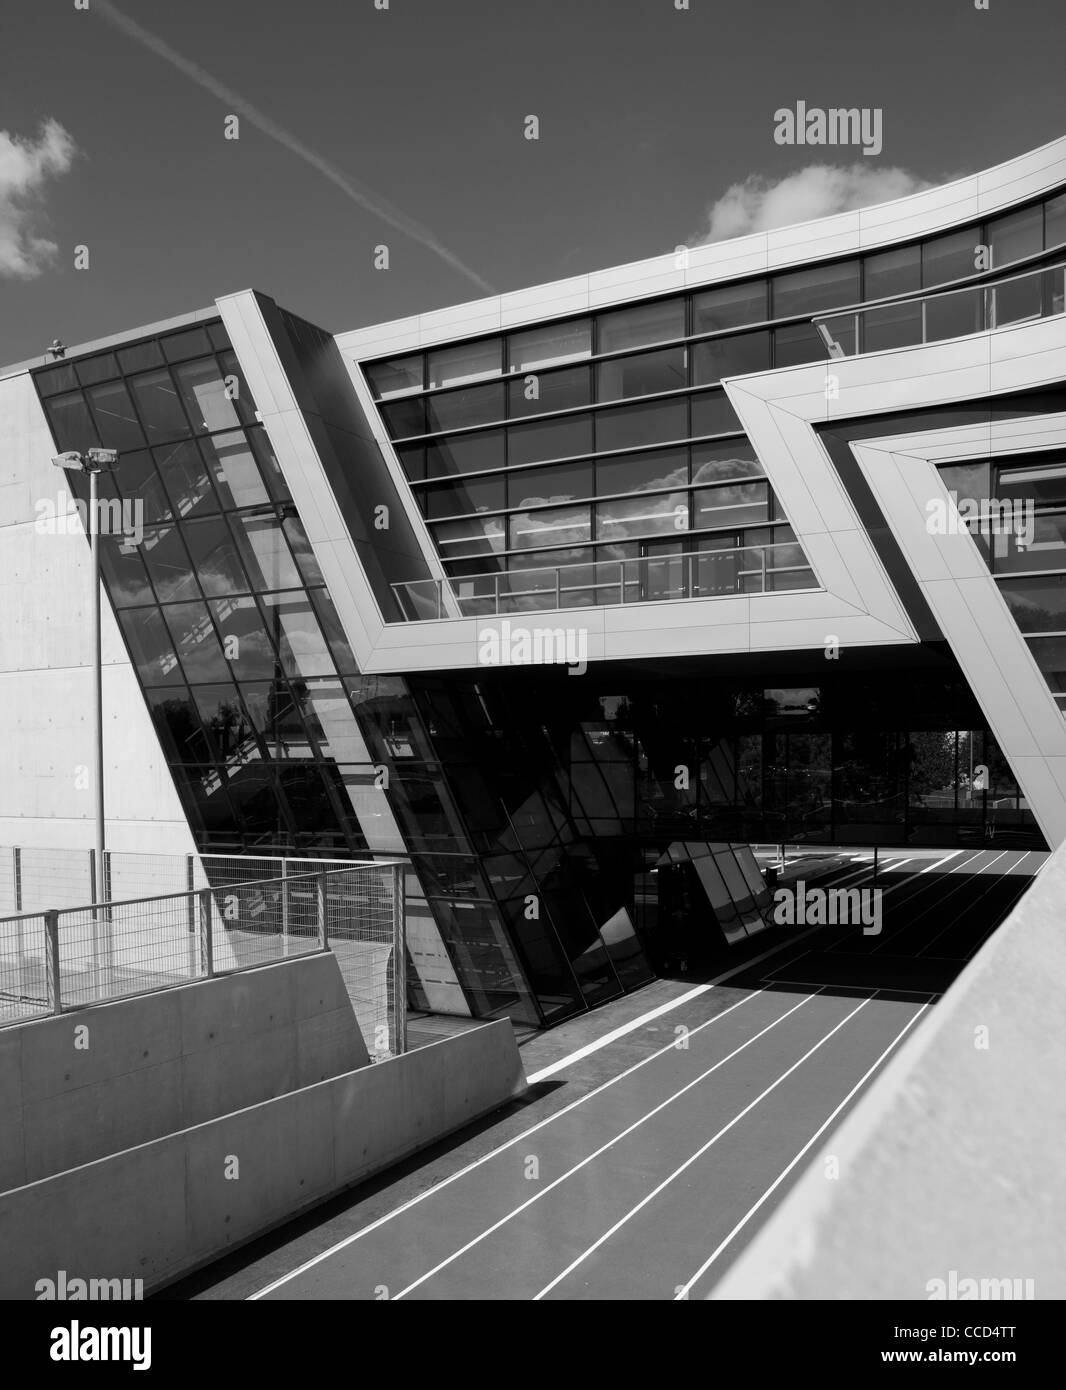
951, 1165
81, 1085
160, 1210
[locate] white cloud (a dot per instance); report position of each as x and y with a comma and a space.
819, 190
26, 164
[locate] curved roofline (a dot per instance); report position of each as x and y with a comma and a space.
932, 210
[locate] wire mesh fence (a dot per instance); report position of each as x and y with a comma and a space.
71, 956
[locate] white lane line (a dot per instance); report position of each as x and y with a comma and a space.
543, 1192
623, 1029
953, 855
548, 1119
955, 920
685, 1289
698, 1154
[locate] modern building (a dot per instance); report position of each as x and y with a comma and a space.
563, 590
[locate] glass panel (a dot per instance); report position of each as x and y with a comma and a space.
237, 387
540, 485
405, 418
713, 463
218, 335
203, 389
732, 505
185, 474
179, 346
472, 536
396, 377
894, 326
640, 325
951, 257
458, 499
1042, 548
301, 549
140, 357
1017, 235
159, 407
642, 472
177, 723
666, 514
816, 289
465, 453
292, 622
196, 642
214, 557
267, 459
1037, 605
115, 418
799, 343
469, 362
967, 480
224, 721
1044, 483
719, 357
631, 426
454, 410
562, 526
1050, 653
647, 374
235, 471
537, 393
266, 556
151, 646
1015, 302
734, 306
553, 343
168, 564
954, 315
71, 423
715, 570
548, 439
1055, 221
413, 461
56, 379
125, 577
140, 484
712, 414
343, 656
244, 638
892, 272
103, 367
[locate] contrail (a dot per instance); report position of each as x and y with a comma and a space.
366, 198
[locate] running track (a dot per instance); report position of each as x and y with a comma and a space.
647, 1184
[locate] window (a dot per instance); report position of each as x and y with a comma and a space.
397, 376
472, 536
550, 345
56, 379
715, 463
124, 573
548, 439
196, 642
1043, 482
405, 418
262, 547
660, 515
640, 325
235, 471
1050, 653
712, 414
562, 526
647, 374
159, 407
814, 290
204, 392
180, 346
465, 453
652, 472
102, 367
892, 272
1046, 549
719, 357
71, 422
454, 366
735, 504
633, 426
1055, 221
214, 562
304, 555
536, 486
455, 410
151, 647
734, 306
459, 499
115, 418
181, 466
1016, 236
140, 358
951, 257
1037, 605
892, 326
413, 461
292, 622
538, 393
801, 342
251, 656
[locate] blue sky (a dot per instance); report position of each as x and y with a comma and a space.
648, 117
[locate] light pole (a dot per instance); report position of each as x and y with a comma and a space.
91, 462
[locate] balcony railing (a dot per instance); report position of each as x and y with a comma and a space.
752, 569
935, 318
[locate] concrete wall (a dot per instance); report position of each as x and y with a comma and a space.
46, 795
952, 1161
162, 1062
157, 1211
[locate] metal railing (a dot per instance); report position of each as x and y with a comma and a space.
67, 958
749, 569
913, 320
